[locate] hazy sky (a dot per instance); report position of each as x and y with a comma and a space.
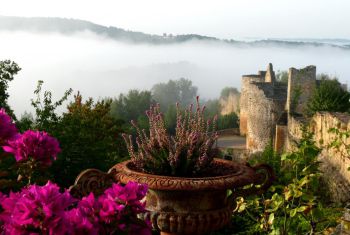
220, 18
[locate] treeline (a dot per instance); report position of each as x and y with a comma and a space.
132, 105
72, 26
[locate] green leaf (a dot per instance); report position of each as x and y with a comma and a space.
242, 207
229, 192
271, 218
302, 208
293, 212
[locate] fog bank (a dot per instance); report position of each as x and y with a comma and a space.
99, 67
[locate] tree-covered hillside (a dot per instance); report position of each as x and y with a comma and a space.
72, 26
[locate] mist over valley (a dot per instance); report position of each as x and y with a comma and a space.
100, 66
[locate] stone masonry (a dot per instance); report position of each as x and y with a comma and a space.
272, 112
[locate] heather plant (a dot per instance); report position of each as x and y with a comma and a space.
188, 153
46, 210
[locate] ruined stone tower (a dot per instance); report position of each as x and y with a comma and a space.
267, 105
262, 103
301, 84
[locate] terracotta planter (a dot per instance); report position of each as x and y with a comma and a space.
195, 205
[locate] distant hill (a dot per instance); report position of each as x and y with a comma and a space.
72, 26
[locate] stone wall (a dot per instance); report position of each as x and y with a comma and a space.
264, 112
280, 138
301, 84
246, 94
335, 163
261, 104
230, 104
295, 126
273, 111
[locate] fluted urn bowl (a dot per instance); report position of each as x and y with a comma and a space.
179, 205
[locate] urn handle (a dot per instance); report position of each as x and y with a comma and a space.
262, 179
92, 180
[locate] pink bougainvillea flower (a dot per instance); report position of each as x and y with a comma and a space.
8, 130
46, 210
37, 145
81, 224
84, 219
37, 208
109, 209
129, 193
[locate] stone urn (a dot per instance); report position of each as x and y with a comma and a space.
180, 205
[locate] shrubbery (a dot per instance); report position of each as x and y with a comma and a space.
295, 204
45, 210
330, 96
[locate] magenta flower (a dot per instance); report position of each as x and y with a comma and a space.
129, 193
34, 144
8, 130
36, 208
84, 219
45, 210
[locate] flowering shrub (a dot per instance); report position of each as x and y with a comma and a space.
33, 150
8, 129
33, 144
188, 153
45, 210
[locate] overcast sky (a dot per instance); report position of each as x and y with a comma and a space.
220, 18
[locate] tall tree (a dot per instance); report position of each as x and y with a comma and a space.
173, 91
8, 69
89, 138
132, 105
331, 96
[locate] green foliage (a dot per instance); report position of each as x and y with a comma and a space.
212, 107
170, 119
329, 96
293, 205
26, 122
282, 76
8, 69
45, 108
225, 92
132, 105
89, 138
268, 156
340, 142
181, 91
227, 121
